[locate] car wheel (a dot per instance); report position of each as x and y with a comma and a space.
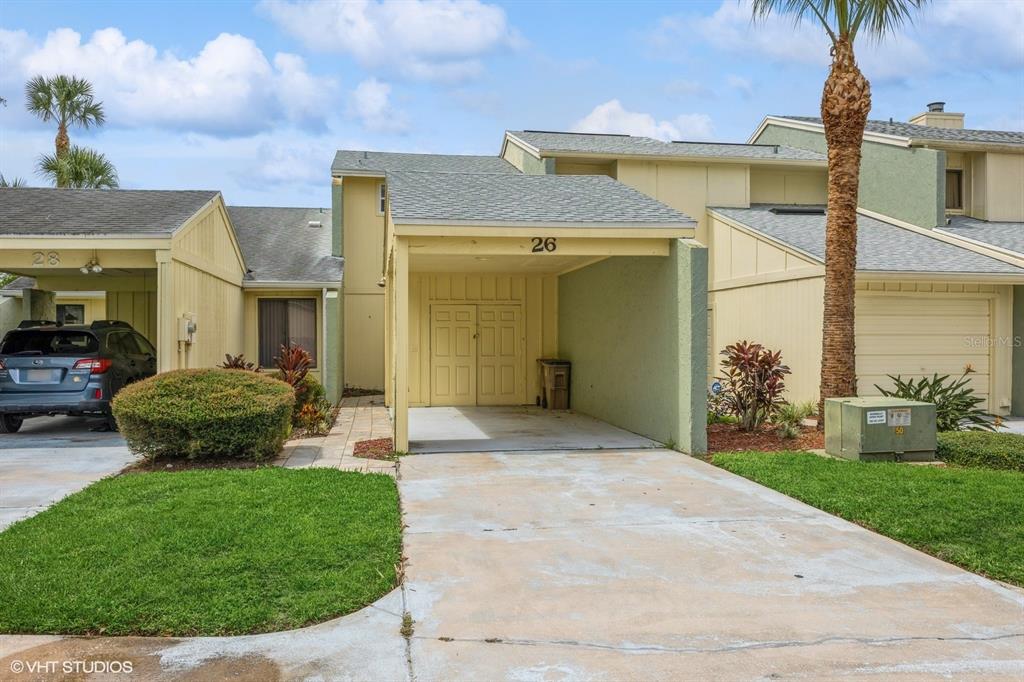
10, 423
111, 422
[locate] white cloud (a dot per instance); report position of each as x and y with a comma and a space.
947, 35
742, 85
370, 102
422, 39
682, 87
229, 87
612, 117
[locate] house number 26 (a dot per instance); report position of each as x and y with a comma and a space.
51, 258
542, 244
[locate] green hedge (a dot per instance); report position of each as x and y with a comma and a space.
206, 413
982, 449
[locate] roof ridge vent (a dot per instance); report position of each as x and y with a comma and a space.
797, 210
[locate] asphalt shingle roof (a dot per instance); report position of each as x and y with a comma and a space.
279, 245
382, 162
19, 283
919, 132
54, 212
591, 200
1009, 236
589, 143
881, 246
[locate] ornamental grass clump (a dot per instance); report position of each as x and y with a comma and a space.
205, 413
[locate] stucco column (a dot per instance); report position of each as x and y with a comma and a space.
37, 304
401, 344
692, 267
166, 333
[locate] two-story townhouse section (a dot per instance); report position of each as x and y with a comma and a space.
923, 306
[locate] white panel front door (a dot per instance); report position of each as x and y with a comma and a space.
453, 347
500, 356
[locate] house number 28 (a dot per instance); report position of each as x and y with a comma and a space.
51, 258
542, 244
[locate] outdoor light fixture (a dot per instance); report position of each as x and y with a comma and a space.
91, 267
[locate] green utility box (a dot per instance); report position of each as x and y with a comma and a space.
880, 429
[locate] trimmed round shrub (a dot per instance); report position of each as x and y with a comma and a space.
982, 449
197, 413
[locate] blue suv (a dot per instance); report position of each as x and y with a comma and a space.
47, 369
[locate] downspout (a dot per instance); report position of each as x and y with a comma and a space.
323, 336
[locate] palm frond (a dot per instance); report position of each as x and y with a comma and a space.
69, 99
844, 17
39, 98
13, 182
80, 168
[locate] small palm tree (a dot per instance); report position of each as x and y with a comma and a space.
68, 100
80, 168
845, 103
13, 182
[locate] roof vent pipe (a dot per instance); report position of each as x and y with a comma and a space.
936, 107
315, 223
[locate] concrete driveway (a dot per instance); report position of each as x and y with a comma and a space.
653, 565
50, 458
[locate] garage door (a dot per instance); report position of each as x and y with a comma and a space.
920, 336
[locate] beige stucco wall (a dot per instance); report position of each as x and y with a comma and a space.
778, 186
205, 275
363, 247
688, 187
536, 294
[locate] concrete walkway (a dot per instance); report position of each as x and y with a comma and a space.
642, 565
359, 418
52, 457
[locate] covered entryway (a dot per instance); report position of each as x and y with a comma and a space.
510, 429
487, 274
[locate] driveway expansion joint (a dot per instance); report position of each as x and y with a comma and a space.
640, 524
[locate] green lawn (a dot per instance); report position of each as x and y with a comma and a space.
205, 552
970, 517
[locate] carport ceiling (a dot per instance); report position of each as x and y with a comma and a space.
531, 264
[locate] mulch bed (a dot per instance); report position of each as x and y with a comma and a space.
376, 448
150, 465
729, 438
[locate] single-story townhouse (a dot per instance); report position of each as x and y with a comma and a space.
196, 277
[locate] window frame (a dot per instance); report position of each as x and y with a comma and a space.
313, 353
960, 188
382, 198
80, 306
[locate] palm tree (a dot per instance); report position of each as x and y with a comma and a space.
13, 182
69, 100
845, 103
80, 168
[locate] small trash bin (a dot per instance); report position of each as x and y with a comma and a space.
554, 383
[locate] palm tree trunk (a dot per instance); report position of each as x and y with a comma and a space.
62, 144
845, 103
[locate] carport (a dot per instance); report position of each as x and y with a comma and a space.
487, 273
167, 262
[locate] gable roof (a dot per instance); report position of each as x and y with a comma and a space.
1002, 235
51, 212
913, 131
279, 245
881, 246
525, 200
376, 164
19, 283
553, 143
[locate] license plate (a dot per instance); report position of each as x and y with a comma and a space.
39, 375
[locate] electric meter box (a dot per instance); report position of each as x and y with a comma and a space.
880, 429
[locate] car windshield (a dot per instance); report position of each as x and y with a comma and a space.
49, 342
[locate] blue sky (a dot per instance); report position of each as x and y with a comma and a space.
253, 98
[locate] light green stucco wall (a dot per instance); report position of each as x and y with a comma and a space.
527, 163
635, 330
1017, 373
904, 183
334, 382
337, 220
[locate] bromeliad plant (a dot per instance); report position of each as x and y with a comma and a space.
293, 363
957, 408
752, 383
238, 362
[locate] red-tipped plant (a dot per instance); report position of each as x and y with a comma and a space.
293, 363
238, 362
753, 383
